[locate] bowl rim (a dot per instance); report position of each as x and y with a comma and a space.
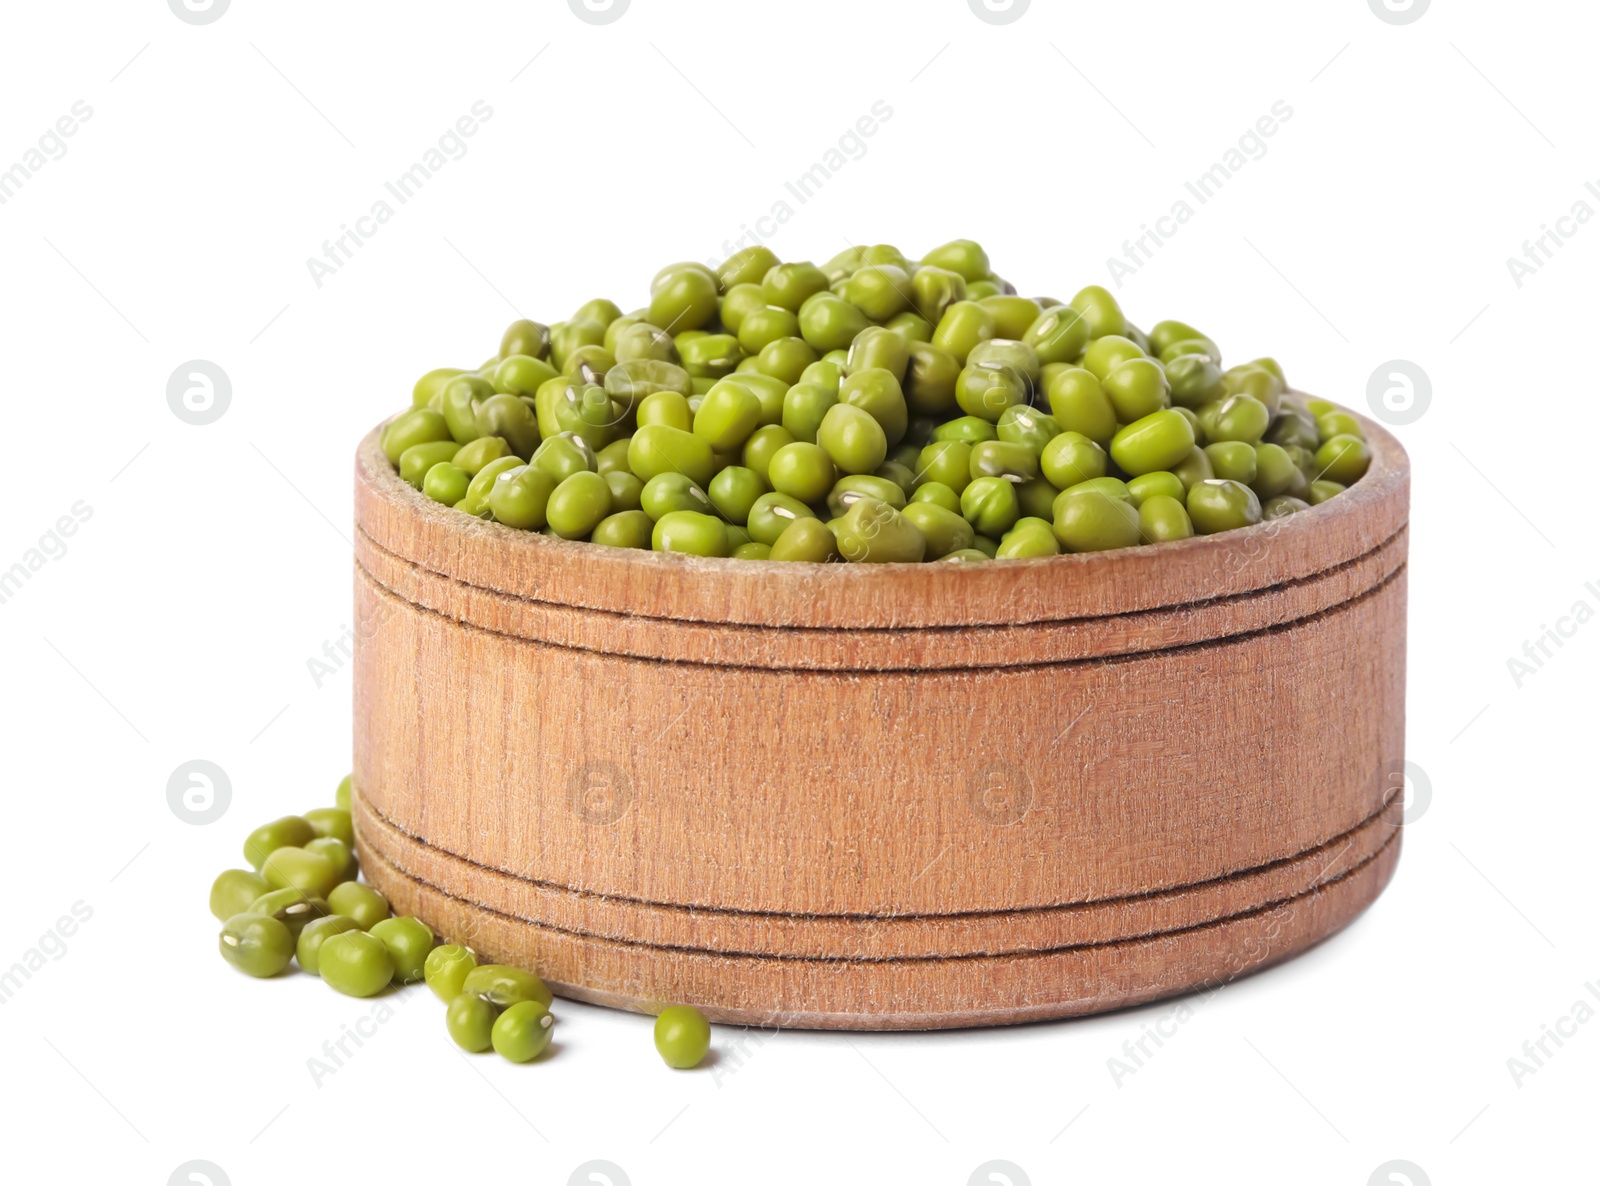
390, 514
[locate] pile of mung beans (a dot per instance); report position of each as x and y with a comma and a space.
871, 409
301, 901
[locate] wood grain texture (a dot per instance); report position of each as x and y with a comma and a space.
901, 994
902, 936
897, 796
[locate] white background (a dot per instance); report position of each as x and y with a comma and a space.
179, 621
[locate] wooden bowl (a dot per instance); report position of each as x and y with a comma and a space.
881, 796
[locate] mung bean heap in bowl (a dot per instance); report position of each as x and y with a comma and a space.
874, 408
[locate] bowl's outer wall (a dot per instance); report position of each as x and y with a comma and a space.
871, 798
